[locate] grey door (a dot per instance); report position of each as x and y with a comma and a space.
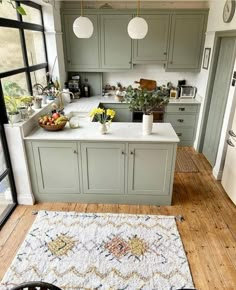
115, 42
154, 46
81, 53
219, 98
57, 167
145, 175
103, 168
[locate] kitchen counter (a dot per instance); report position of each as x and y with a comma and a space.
127, 132
87, 104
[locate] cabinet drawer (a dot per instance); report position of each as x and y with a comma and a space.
182, 120
181, 108
184, 134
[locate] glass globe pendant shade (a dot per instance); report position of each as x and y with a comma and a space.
137, 28
83, 27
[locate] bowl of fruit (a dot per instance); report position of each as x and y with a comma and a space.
53, 122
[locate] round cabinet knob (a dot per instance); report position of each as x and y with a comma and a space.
165, 53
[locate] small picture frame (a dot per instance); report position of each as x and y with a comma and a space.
206, 58
173, 94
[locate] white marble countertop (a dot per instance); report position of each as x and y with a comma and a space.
87, 104
126, 132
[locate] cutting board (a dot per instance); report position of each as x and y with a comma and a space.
150, 85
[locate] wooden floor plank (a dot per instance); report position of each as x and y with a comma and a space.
208, 231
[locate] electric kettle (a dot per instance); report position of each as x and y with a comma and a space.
66, 96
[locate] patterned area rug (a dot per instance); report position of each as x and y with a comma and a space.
101, 251
184, 162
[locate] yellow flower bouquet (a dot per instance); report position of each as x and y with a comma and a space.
103, 116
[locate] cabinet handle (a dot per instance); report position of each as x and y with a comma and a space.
181, 109
68, 61
165, 53
122, 152
179, 134
132, 153
75, 152
180, 120
130, 62
231, 133
230, 143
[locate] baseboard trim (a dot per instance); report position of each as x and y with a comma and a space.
217, 173
25, 199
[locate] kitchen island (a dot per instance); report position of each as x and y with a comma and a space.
122, 166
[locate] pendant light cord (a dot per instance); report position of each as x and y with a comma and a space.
81, 2
138, 7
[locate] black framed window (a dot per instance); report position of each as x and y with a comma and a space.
23, 62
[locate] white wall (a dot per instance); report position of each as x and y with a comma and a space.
153, 72
215, 23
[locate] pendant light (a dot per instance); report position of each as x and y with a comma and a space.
83, 26
137, 27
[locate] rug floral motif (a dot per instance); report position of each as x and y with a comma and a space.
101, 252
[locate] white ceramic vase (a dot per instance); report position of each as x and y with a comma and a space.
103, 128
147, 124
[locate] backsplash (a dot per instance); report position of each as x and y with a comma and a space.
153, 72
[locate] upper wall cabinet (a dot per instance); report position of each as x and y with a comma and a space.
153, 48
186, 42
81, 53
115, 42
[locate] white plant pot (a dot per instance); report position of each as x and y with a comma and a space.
14, 118
147, 124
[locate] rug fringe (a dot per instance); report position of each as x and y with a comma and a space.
179, 218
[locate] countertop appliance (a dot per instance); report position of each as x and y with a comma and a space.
74, 87
188, 92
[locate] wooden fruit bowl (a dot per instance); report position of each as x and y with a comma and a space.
54, 127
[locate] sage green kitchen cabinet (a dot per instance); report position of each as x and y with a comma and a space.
81, 53
56, 166
103, 168
186, 42
153, 48
184, 119
115, 42
145, 175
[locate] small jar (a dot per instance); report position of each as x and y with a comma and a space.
74, 122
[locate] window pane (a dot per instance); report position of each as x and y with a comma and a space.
35, 47
10, 49
3, 166
39, 77
7, 11
32, 15
15, 85
5, 194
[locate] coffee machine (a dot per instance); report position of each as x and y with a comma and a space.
74, 86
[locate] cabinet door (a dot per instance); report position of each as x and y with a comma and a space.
115, 42
150, 169
123, 113
103, 168
81, 53
154, 46
186, 43
56, 167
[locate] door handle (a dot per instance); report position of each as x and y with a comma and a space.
230, 143
231, 133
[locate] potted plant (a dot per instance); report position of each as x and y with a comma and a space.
12, 109
147, 102
104, 117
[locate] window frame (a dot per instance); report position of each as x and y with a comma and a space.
27, 69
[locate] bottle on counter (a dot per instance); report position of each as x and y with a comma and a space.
86, 90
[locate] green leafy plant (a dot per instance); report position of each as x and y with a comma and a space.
19, 9
12, 89
145, 101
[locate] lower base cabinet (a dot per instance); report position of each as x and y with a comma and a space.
102, 172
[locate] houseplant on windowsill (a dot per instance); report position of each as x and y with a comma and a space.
104, 117
12, 109
147, 102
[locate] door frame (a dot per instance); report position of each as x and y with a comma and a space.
215, 53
